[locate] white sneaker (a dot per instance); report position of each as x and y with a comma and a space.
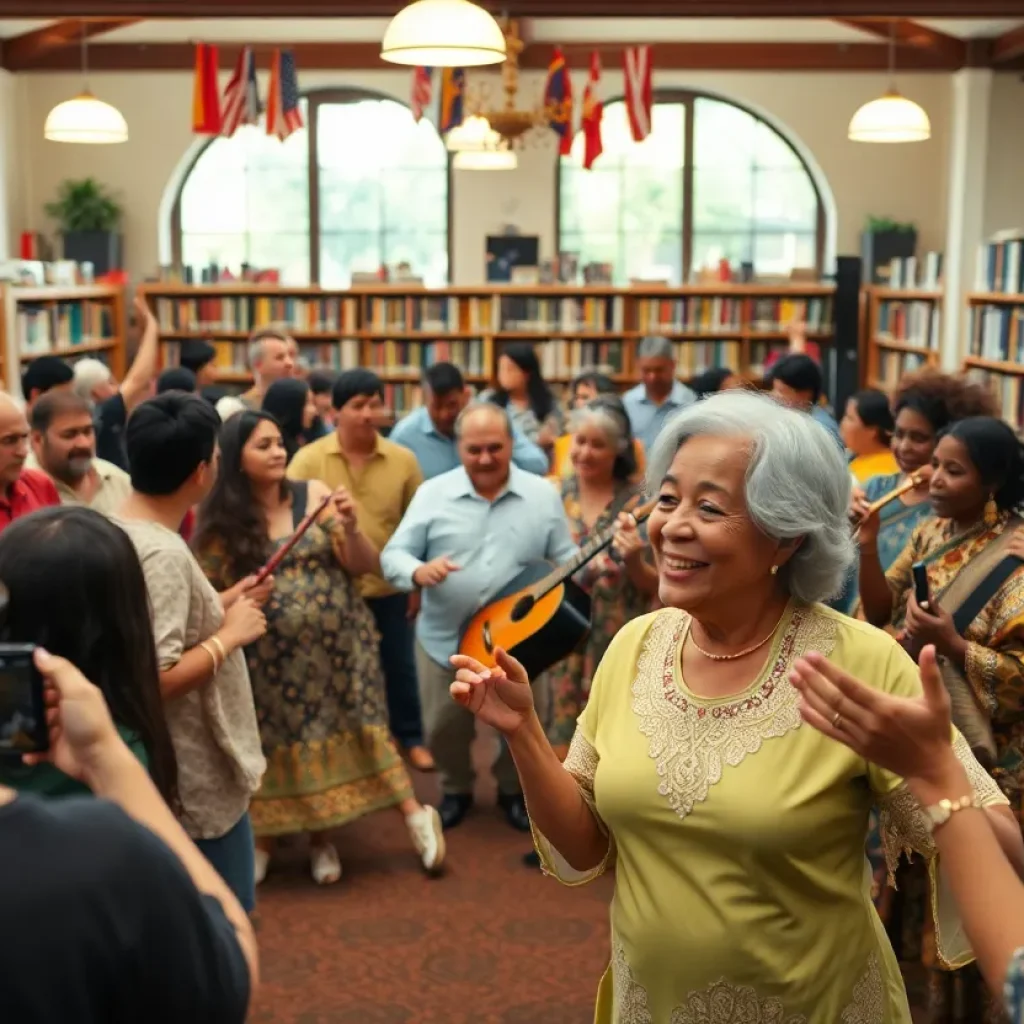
262, 863
427, 837
324, 864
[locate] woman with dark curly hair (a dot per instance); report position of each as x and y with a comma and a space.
316, 674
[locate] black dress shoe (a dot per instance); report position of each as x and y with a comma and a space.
532, 859
453, 808
514, 807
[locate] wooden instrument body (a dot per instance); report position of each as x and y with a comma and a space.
538, 634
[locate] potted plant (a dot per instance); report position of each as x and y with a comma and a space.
88, 218
882, 241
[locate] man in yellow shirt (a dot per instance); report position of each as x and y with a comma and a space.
381, 477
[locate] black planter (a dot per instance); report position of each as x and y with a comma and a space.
100, 248
879, 248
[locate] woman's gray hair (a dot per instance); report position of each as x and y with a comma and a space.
797, 484
615, 427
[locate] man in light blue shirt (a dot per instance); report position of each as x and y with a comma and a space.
429, 431
658, 396
797, 381
466, 535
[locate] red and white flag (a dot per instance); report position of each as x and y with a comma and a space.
241, 102
422, 91
593, 113
283, 113
639, 96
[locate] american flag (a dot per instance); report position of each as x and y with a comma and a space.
241, 102
283, 114
422, 91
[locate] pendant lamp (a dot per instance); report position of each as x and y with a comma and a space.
443, 34
892, 117
474, 132
485, 160
85, 119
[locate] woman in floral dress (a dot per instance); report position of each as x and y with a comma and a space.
316, 673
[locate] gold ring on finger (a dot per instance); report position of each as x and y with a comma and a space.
837, 720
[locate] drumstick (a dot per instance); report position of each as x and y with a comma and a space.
278, 557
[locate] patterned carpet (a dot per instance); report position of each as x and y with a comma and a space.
491, 942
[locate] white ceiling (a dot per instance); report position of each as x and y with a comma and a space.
553, 30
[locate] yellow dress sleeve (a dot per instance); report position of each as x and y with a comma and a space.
904, 826
583, 758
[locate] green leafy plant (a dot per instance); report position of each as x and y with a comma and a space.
84, 205
880, 225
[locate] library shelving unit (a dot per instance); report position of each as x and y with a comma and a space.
995, 348
398, 329
70, 322
904, 332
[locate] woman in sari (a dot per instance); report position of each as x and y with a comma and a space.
976, 484
736, 832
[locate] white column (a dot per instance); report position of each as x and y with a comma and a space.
968, 149
9, 163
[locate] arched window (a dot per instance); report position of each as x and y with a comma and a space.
712, 181
364, 186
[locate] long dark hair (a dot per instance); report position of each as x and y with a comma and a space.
76, 587
538, 394
285, 400
873, 409
997, 455
230, 518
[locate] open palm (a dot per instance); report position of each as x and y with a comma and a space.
500, 696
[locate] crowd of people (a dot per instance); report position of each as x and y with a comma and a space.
766, 715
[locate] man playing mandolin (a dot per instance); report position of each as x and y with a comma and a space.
466, 534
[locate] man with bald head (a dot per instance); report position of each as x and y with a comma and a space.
22, 490
466, 535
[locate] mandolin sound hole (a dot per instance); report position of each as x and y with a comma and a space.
522, 608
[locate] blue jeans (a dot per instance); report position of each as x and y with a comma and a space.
234, 857
397, 635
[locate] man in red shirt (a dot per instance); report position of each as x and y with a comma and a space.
21, 490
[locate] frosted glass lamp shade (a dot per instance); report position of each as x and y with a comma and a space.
443, 34
474, 133
485, 160
85, 119
891, 118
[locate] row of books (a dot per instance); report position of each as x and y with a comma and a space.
893, 365
995, 333
708, 314
1009, 390
925, 274
405, 358
1000, 266
41, 329
914, 323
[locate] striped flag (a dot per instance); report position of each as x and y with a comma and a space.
205, 97
283, 114
241, 101
593, 114
422, 91
638, 90
558, 101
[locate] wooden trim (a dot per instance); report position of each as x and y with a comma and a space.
365, 56
907, 33
688, 99
20, 52
1009, 46
315, 99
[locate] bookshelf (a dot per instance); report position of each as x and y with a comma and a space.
904, 333
70, 322
396, 330
995, 348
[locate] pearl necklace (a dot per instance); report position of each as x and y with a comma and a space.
741, 654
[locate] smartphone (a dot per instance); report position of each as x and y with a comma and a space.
922, 594
23, 728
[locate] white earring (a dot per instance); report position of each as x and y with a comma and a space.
775, 570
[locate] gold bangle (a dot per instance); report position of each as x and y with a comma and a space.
213, 655
218, 643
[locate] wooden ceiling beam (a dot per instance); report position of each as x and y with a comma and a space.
1008, 47
906, 32
20, 52
365, 56
514, 8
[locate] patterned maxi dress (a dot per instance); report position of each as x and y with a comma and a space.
319, 694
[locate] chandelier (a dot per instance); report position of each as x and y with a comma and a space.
511, 123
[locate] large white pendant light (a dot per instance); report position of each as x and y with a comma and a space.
892, 117
474, 132
85, 119
443, 34
485, 160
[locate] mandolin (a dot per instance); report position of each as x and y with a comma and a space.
543, 615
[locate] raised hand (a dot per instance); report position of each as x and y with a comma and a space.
627, 541
499, 696
344, 508
910, 736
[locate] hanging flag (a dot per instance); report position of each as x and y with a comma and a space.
422, 91
283, 114
593, 114
241, 101
558, 101
205, 96
453, 88
639, 97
